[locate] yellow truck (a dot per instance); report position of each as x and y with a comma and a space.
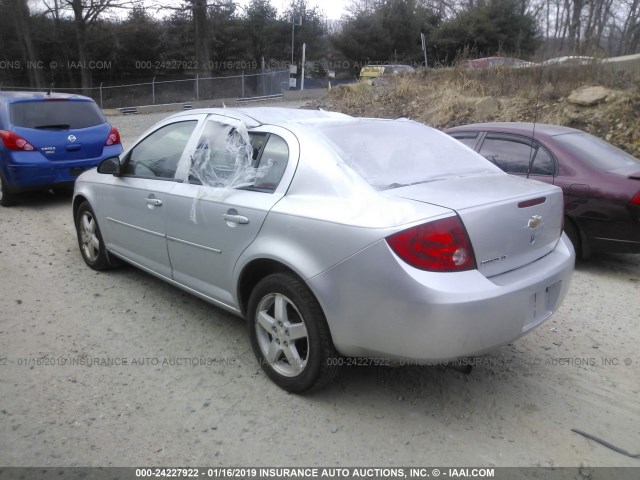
374, 71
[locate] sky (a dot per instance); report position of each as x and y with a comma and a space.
333, 9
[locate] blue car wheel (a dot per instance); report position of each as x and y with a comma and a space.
7, 198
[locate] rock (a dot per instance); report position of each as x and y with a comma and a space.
485, 107
548, 90
588, 96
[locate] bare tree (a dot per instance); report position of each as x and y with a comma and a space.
201, 37
55, 9
591, 26
85, 14
200, 11
22, 24
630, 38
599, 14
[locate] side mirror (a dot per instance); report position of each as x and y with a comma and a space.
110, 166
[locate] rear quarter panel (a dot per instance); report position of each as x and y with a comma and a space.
596, 200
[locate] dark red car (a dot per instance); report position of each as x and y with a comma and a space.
601, 183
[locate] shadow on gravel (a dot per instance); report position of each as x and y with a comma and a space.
437, 391
616, 264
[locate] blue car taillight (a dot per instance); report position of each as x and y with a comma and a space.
114, 137
15, 142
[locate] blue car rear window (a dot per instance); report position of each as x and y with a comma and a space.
56, 114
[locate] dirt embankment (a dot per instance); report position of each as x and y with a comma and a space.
449, 97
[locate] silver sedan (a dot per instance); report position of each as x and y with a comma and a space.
333, 236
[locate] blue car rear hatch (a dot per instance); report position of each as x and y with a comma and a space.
61, 128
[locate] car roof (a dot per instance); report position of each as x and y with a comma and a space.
523, 128
9, 96
253, 117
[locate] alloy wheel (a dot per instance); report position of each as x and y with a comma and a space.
282, 335
90, 242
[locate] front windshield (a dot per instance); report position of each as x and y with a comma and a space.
391, 154
596, 152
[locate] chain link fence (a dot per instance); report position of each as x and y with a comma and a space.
157, 92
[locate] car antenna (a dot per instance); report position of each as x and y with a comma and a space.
535, 120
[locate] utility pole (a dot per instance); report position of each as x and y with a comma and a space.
304, 59
292, 67
423, 37
293, 31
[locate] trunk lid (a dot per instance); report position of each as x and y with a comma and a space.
630, 171
634, 175
511, 221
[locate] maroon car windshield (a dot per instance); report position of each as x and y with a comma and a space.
596, 152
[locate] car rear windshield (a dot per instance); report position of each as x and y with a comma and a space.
391, 154
56, 114
596, 152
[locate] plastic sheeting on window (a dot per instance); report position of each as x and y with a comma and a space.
222, 159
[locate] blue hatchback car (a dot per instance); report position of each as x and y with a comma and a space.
48, 139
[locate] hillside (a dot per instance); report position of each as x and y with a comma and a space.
448, 97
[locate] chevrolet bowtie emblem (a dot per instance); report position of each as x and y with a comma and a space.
534, 222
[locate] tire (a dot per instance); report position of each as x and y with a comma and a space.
574, 235
292, 344
7, 198
90, 239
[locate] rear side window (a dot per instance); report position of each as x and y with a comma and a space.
56, 114
273, 163
470, 139
223, 156
258, 141
513, 156
510, 156
543, 164
231, 158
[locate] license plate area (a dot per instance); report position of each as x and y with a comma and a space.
541, 305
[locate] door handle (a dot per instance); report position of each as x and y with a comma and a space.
154, 202
241, 219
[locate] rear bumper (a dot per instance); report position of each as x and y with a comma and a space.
393, 311
31, 170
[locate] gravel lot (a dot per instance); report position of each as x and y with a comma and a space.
578, 370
